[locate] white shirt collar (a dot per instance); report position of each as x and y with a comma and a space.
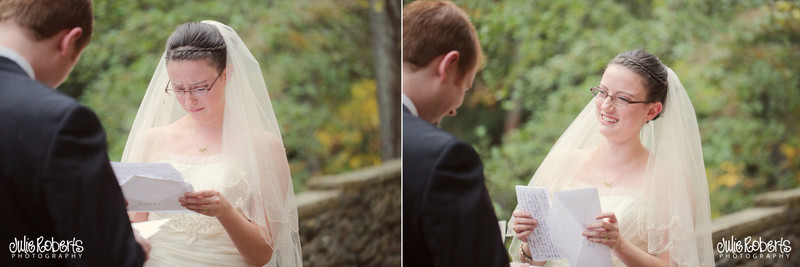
409, 105
17, 58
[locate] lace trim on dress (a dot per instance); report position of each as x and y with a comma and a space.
678, 232
192, 224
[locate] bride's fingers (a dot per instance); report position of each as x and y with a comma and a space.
194, 200
524, 227
201, 205
523, 235
521, 214
599, 233
611, 227
202, 193
204, 209
522, 221
612, 218
602, 224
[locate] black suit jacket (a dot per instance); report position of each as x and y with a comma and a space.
448, 218
56, 183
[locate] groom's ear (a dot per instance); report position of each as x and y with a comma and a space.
447, 65
68, 44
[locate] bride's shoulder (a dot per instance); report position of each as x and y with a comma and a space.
173, 128
267, 138
570, 153
170, 131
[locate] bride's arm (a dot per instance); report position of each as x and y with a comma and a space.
247, 236
525, 253
633, 256
523, 226
138, 216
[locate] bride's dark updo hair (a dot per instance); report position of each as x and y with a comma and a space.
197, 40
650, 68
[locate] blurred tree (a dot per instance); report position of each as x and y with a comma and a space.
384, 17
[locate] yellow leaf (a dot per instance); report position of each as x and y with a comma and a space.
729, 180
732, 175
378, 6
789, 151
783, 5
324, 138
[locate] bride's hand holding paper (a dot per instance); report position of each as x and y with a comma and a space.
604, 232
524, 224
207, 202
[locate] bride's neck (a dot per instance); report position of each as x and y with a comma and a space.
620, 153
205, 127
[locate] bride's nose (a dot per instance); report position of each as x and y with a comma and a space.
189, 99
607, 103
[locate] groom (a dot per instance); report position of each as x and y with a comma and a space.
60, 200
448, 218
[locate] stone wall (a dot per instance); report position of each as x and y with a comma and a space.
774, 217
352, 219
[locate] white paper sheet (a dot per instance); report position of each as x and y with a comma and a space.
149, 228
151, 186
503, 233
571, 212
535, 200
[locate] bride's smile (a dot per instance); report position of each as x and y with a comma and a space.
609, 119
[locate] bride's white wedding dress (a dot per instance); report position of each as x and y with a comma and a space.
196, 238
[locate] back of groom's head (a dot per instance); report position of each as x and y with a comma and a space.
46, 18
432, 29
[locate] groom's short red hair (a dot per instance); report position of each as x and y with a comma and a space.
46, 18
432, 29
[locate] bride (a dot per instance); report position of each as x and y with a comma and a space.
638, 142
208, 114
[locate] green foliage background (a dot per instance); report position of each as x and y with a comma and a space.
738, 60
315, 56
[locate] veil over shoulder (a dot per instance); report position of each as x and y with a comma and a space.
251, 141
675, 214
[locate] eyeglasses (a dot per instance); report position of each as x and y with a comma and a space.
195, 92
621, 101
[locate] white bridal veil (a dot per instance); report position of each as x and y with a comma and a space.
675, 215
251, 140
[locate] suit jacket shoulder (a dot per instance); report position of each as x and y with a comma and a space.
420, 136
56, 178
448, 217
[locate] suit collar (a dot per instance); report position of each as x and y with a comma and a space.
409, 105
21, 63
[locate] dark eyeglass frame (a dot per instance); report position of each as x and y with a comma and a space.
195, 92
620, 101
